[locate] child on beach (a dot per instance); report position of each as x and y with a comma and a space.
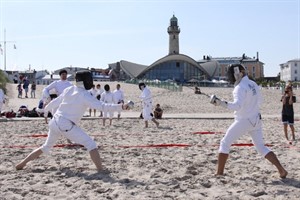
287, 114
20, 90
71, 105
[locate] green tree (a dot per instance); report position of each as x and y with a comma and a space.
3, 81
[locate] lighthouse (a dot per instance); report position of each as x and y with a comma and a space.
173, 31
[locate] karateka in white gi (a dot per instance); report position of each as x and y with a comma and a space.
118, 97
93, 92
99, 92
71, 105
246, 105
107, 97
58, 86
147, 105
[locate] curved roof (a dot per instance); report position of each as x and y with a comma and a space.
132, 69
211, 67
180, 57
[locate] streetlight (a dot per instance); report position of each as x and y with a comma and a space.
4, 48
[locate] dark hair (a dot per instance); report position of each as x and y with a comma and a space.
106, 87
63, 71
230, 72
142, 85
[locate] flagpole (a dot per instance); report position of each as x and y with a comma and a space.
4, 50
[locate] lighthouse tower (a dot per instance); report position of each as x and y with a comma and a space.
173, 31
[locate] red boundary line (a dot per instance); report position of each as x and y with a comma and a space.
151, 146
207, 132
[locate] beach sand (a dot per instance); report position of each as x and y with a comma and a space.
137, 170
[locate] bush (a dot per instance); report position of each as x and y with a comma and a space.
3, 81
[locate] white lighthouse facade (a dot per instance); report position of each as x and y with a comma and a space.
173, 31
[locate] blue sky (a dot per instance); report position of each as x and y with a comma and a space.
51, 34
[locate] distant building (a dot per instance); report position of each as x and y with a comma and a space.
290, 71
176, 67
32, 75
71, 71
254, 67
49, 78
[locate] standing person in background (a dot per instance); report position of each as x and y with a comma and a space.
33, 88
70, 106
93, 92
26, 86
107, 97
99, 92
58, 86
147, 105
246, 105
287, 114
2, 99
118, 97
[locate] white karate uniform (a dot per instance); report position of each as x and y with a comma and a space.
107, 97
2, 99
93, 92
246, 105
59, 87
147, 104
118, 97
71, 105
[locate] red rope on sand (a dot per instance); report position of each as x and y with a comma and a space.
207, 132
156, 145
35, 135
55, 146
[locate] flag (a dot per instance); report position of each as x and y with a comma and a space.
15, 46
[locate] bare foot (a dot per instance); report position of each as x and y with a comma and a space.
283, 174
20, 166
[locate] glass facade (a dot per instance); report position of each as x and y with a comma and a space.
179, 71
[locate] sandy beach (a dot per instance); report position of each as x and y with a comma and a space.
175, 161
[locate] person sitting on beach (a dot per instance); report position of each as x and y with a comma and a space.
158, 112
71, 105
246, 104
197, 90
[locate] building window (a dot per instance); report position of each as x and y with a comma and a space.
295, 64
253, 72
295, 71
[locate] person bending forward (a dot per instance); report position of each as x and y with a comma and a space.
71, 105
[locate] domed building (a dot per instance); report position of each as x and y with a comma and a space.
174, 66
